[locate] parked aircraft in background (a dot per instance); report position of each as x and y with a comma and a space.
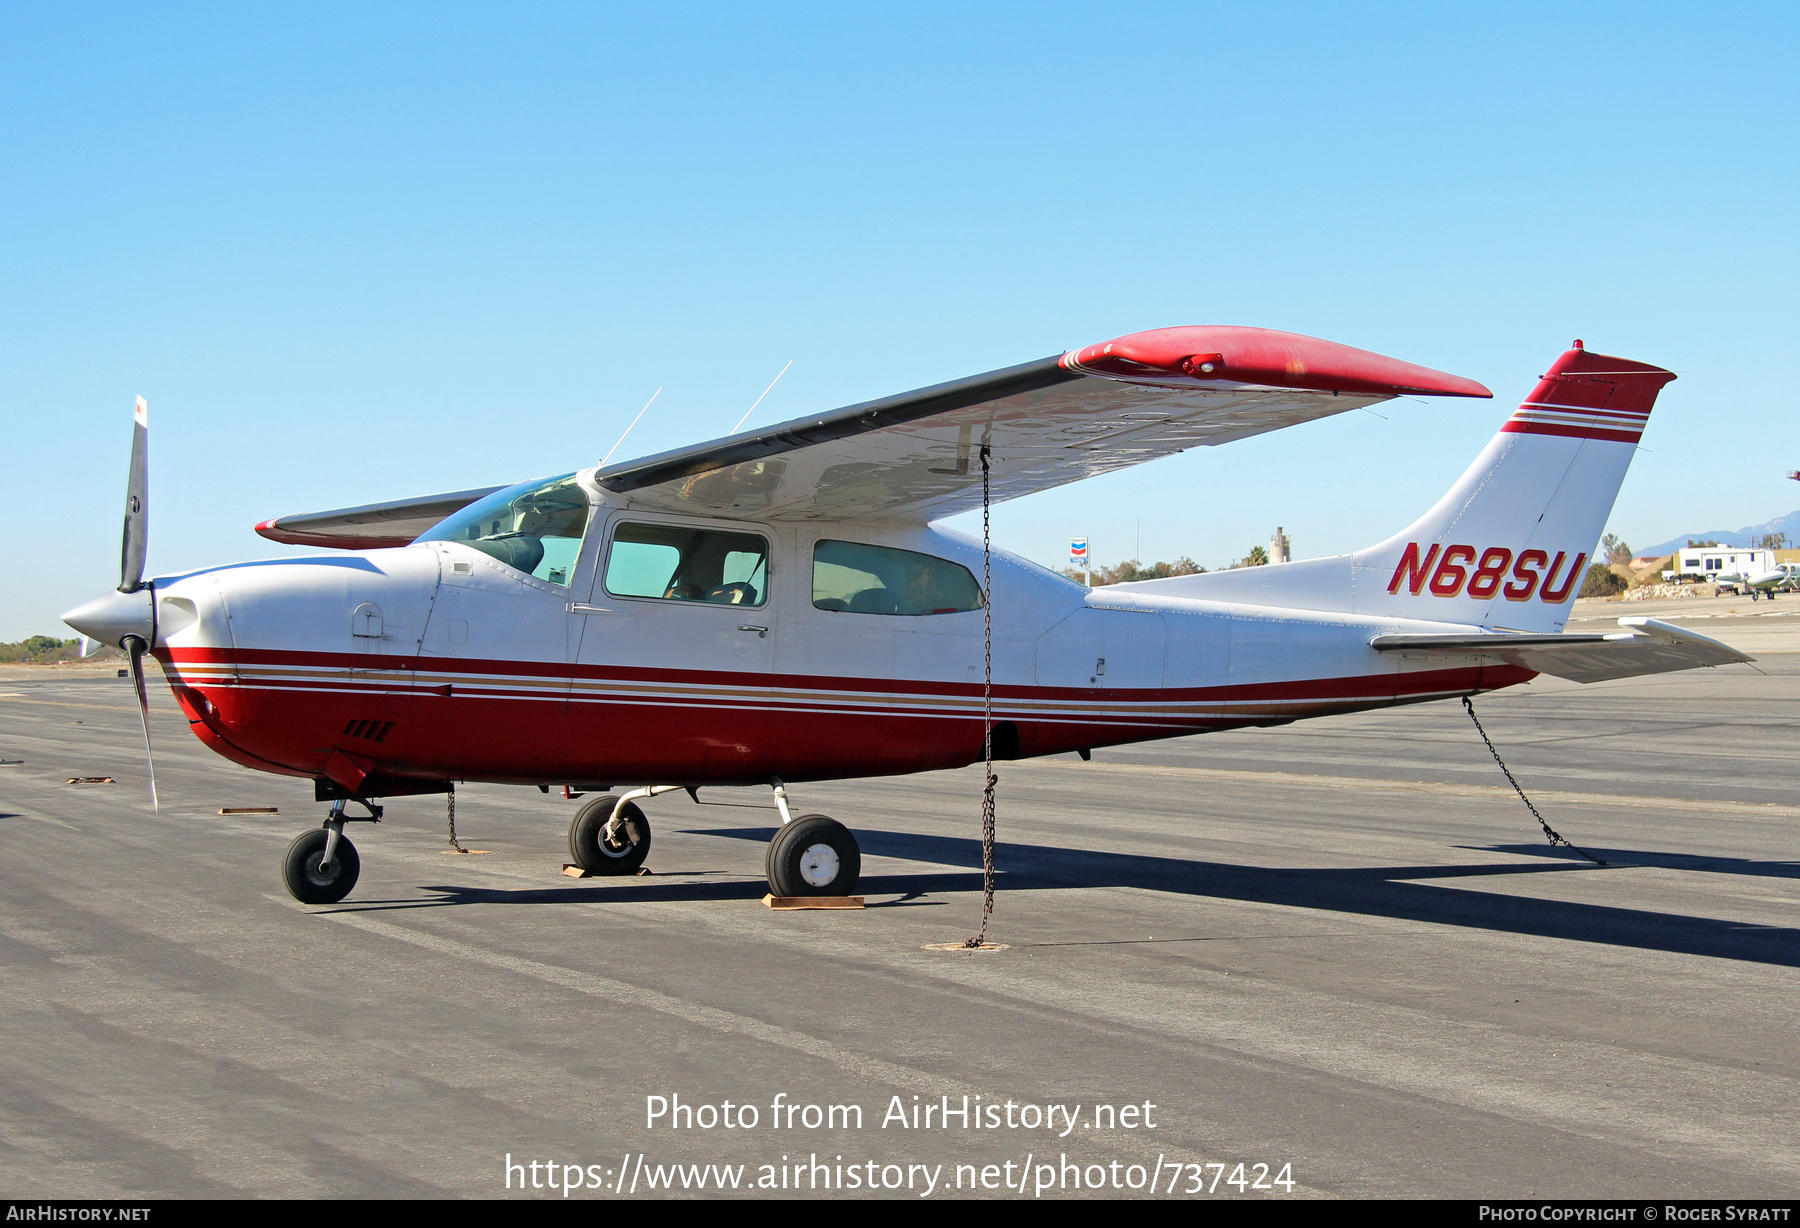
779, 606
1763, 584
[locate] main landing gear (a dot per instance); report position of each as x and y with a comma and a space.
813, 855
610, 835
321, 866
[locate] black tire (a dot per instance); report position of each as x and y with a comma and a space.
587, 837
813, 855
300, 868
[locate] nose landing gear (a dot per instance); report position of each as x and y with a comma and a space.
321, 866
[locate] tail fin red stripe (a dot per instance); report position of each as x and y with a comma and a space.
1580, 380
1591, 396
1571, 432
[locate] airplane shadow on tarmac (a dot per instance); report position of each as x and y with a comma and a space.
1665, 861
1382, 891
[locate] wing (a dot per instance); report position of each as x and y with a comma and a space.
371, 526
1046, 423
1648, 646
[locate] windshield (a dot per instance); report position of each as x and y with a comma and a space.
535, 526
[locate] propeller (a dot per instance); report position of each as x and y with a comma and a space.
137, 503
135, 541
127, 617
135, 646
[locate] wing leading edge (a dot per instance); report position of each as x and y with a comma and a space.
371, 526
917, 455
1046, 423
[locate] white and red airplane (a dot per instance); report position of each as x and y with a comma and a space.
779, 606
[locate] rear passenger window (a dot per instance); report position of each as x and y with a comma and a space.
676, 563
859, 579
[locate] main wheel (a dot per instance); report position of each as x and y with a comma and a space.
310, 884
596, 854
814, 855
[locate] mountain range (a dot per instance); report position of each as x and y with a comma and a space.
1789, 524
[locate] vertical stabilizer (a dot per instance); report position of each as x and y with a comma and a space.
1508, 545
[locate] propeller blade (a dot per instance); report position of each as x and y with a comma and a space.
137, 506
136, 647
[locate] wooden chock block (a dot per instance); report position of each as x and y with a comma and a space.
793, 902
574, 871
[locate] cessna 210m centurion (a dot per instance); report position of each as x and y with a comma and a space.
779, 606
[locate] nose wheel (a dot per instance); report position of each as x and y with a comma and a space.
312, 879
321, 866
813, 855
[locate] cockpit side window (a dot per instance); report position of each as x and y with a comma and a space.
535, 527
860, 579
680, 563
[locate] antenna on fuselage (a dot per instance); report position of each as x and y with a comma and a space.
634, 422
759, 400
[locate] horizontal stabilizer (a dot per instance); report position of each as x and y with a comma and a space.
1648, 646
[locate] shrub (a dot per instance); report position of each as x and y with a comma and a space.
1601, 581
43, 649
1131, 569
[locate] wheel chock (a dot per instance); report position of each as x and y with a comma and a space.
784, 903
574, 871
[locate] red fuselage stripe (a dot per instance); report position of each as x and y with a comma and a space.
563, 675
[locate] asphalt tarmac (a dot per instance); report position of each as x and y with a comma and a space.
1340, 949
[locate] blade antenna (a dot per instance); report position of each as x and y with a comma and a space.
135, 646
634, 422
759, 400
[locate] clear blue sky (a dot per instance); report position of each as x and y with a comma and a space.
361, 252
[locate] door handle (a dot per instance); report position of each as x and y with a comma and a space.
761, 632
